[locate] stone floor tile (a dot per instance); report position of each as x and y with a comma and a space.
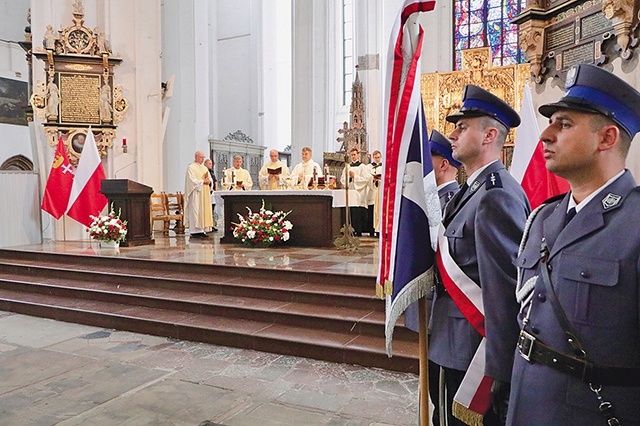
38, 332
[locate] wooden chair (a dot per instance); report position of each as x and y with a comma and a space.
174, 209
158, 211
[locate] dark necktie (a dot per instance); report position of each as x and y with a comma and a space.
570, 214
460, 195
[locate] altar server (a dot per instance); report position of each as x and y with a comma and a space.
358, 179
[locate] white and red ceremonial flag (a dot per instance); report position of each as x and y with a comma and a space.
528, 164
86, 199
473, 397
410, 204
59, 183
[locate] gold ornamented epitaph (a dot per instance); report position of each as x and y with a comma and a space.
79, 90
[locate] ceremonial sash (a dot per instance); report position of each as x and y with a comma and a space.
473, 398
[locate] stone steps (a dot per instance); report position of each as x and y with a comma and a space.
318, 315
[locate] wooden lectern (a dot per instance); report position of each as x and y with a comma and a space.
132, 199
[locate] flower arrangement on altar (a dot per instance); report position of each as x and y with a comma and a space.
108, 228
264, 228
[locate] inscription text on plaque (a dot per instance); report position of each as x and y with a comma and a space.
80, 98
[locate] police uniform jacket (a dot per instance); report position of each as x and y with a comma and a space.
484, 227
411, 313
595, 261
447, 192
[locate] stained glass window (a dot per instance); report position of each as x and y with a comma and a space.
347, 50
480, 23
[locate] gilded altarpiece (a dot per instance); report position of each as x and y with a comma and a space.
442, 92
80, 90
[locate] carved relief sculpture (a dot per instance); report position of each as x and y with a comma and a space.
532, 44
50, 38
620, 13
105, 103
53, 101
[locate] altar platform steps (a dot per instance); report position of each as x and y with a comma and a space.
309, 314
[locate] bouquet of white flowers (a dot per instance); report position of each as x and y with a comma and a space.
108, 228
264, 228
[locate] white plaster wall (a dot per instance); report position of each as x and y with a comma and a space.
437, 52
237, 68
186, 55
13, 19
274, 116
178, 60
234, 86
312, 85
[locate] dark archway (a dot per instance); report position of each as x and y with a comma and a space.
17, 162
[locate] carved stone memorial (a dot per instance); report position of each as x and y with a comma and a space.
80, 89
557, 34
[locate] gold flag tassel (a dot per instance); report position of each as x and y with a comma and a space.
467, 416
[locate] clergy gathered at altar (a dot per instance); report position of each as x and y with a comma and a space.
363, 182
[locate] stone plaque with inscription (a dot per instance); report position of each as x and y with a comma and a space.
80, 96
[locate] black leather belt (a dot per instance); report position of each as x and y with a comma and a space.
533, 350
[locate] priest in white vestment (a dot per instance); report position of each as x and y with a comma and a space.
237, 178
274, 173
303, 172
197, 204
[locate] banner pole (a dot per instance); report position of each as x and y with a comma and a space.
423, 342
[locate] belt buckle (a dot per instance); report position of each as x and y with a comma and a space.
525, 345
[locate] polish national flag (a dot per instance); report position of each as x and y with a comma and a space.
58, 189
528, 164
86, 199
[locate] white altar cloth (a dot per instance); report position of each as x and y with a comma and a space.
338, 195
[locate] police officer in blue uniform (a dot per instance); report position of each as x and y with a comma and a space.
483, 225
578, 356
445, 168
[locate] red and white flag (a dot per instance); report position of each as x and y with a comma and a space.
59, 183
528, 164
86, 199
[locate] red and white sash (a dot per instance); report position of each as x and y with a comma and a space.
473, 398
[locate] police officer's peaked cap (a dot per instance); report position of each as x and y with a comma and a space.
595, 90
439, 144
477, 102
